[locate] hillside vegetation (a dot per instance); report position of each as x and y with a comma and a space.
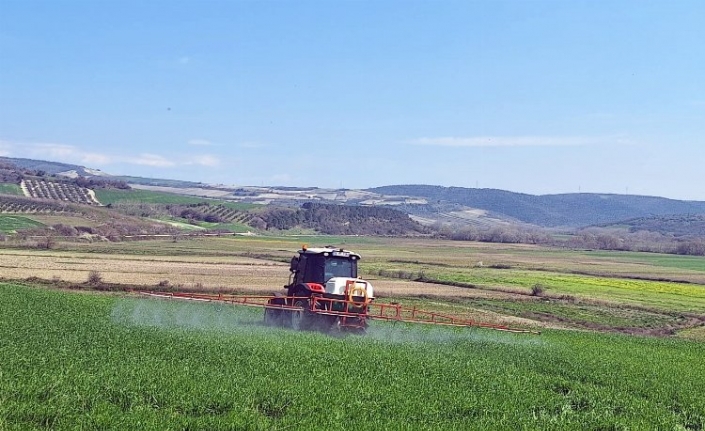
570, 210
676, 225
342, 220
595, 221
31, 217
60, 191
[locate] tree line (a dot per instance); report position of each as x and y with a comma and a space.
342, 220
589, 238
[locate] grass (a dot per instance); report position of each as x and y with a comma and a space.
229, 227
583, 315
179, 223
695, 263
112, 196
242, 206
69, 220
11, 223
86, 361
608, 299
10, 189
670, 295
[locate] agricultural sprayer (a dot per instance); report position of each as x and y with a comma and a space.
325, 293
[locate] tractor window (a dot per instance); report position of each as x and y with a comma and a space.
320, 269
340, 267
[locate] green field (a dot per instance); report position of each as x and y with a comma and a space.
90, 361
112, 196
695, 263
12, 223
10, 189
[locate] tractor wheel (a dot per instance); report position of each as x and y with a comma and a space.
272, 317
333, 327
301, 320
275, 316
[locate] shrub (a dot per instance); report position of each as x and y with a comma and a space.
537, 289
46, 243
94, 277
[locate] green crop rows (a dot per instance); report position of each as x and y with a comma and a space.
111, 196
11, 223
662, 294
10, 189
90, 361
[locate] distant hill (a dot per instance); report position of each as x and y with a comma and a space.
335, 219
73, 171
427, 204
161, 182
673, 225
51, 168
569, 210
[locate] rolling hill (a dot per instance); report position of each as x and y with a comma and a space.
565, 210
427, 204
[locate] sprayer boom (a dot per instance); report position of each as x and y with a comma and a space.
304, 312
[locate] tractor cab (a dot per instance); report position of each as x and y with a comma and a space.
318, 265
327, 271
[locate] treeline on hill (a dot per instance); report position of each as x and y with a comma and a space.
99, 183
342, 220
592, 238
10, 173
193, 213
324, 218
112, 230
559, 210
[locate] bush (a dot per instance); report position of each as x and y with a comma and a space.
94, 277
46, 243
537, 289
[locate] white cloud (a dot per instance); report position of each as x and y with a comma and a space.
96, 159
72, 154
200, 142
52, 150
518, 141
154, 160
206, 160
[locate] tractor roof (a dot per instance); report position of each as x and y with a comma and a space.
329, 251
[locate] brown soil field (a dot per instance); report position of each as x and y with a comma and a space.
259, 265
212, 272
191, 271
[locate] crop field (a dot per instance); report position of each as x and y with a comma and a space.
10, 189
11, 223
66, 219
74, 360
630, 292
621, 346
111, 196
59, 191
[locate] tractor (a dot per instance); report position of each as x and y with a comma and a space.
323, 293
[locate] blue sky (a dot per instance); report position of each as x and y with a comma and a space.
529, 96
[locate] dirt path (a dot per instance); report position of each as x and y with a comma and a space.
25, 190
95, 200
